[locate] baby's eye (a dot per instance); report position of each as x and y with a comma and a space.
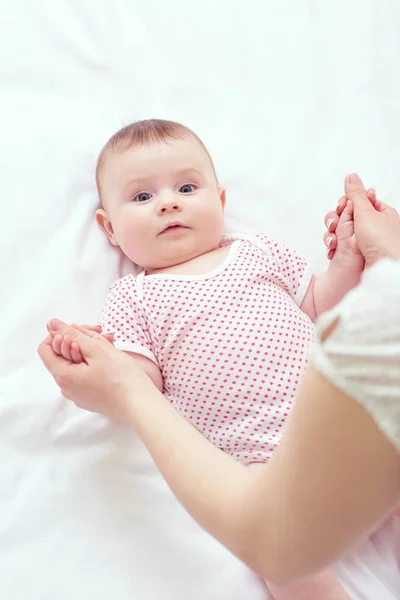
187, 188
142, 197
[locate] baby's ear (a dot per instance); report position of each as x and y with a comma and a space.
222, 195
105, 224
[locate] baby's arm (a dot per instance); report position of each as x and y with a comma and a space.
65, 347
346, 266
150, 368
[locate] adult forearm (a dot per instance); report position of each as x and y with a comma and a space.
323, 489
211, 485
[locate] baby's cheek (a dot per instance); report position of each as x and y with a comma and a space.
213, 222
135, 241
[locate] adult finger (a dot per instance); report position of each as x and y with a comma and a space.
54, 325
386, 208
331, 220
90, 332
356, 192
330, 240
95, 328
330, 254
372, 198
50, 359
94, 332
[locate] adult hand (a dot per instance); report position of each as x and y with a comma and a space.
332, 221
105, 383
63, 346
377, 227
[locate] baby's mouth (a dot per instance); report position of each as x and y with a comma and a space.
174, 227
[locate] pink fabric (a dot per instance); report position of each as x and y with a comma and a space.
231, 344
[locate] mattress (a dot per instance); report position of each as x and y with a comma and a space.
288, 96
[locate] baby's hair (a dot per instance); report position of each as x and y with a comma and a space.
140, 133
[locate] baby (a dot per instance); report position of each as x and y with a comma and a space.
222, 324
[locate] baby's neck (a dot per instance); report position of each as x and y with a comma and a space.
196, 266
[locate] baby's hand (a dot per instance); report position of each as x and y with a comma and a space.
68, 349
339, 238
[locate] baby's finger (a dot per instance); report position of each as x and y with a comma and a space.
66, 347
76, 353
56, 344
341, 205
331, 220
347, 214
330, 240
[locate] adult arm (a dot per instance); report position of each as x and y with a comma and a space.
322, 491
324, 488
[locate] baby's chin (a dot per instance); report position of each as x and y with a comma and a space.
169, 263
177, 250
155, 266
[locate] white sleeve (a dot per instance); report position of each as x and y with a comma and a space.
362, 355
291, 270
124, 316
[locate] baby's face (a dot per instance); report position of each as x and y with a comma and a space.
162, 203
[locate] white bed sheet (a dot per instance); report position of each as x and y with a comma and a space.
288, 96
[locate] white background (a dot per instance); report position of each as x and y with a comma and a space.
289, 96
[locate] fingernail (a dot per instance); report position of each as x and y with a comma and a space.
329, 223
329, 241
353, 178
55, 324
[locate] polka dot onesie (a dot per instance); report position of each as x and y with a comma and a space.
231, 344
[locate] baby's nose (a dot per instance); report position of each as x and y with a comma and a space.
167, 207
169, 204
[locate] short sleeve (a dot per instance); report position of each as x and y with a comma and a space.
362, 355
124, 316
292, 269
